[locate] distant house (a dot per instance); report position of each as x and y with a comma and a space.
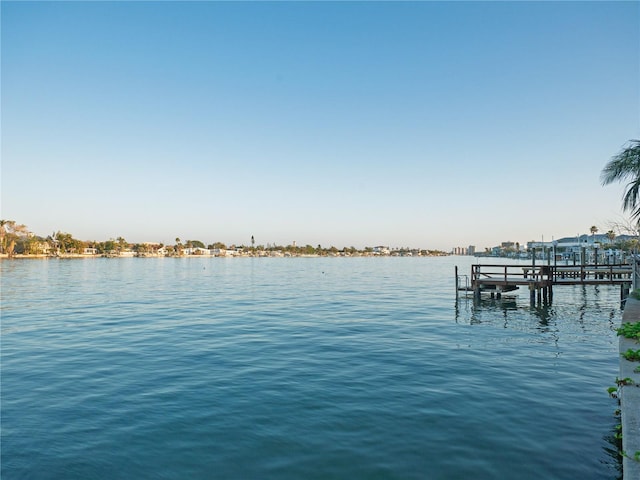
90, 251
197, 251
43, 248
575, 244
586, 247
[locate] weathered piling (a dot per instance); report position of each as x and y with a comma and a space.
457, 281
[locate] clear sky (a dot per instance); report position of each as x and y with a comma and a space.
417, 124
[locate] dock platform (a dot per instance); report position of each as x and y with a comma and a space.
540, 279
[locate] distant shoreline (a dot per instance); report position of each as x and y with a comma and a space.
4, 256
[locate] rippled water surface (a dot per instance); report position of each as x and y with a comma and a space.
299, 368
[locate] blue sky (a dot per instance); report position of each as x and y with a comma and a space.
419, 124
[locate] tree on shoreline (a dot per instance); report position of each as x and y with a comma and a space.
5, 225
12, 233
625, 166
611, 235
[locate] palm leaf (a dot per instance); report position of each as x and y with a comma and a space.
626, 166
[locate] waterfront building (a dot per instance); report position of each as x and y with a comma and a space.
595, 248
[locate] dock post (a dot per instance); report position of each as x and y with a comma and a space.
545, 298
457, 282
532, 294
539, 295
550, 293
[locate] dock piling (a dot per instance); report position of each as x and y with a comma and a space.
457, 281
532, 294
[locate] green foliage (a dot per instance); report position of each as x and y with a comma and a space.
614, 391
65, 243
30, 245
630, 330
636, 456
618, 434
632, 355
195, 244
635, 294
105, 247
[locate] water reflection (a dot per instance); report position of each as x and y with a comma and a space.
577, 315
470, 308
543, 312
578, 303
613, 447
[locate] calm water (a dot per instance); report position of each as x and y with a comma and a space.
299, 368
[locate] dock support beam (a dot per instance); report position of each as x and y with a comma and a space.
532, 294
539, 295
457, 282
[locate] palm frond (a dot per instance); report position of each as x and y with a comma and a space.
623, 166
626, 166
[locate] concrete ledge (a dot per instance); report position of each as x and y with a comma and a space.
630, 397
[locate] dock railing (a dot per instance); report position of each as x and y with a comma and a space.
524, 274
614, 273
510, 274
462, 282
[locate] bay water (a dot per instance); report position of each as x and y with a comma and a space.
299, 368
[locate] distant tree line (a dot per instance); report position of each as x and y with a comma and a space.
16, 239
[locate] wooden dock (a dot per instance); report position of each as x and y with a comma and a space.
541, 279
